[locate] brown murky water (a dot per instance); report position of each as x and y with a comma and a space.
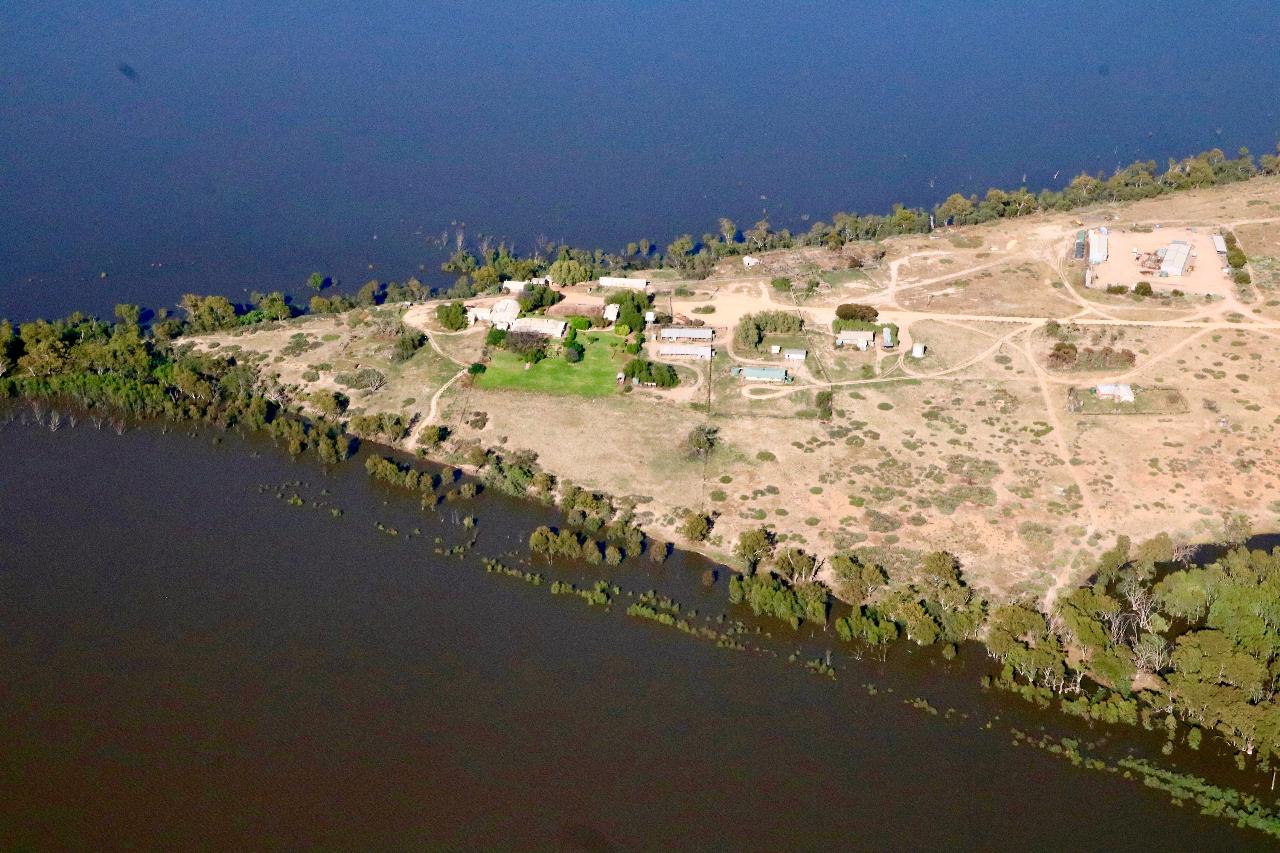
190, 662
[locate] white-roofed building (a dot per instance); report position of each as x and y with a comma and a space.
750, 261
516, 286
686, 351
860, 338
1115, 393
540, 325
794, 354
1219, 244
1176, 257
504, 312
1097, 245
611, 312
687, 333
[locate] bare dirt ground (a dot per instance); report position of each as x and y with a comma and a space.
1203, 276
972, 448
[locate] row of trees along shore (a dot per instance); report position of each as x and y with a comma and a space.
1145, 636
485, 269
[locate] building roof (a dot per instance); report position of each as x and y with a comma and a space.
1219, 244
1175, 258
763, 374
1097, 246
611, 312
1123, 393
686, 350
540, 325
515, 286
887, 334
687, 333
853, 336
504, 311
795, 354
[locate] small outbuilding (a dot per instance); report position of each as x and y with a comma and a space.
1219, 245
918, 350
794, 354
886, 338
1115, 393
516, 286
611, 312
750, 261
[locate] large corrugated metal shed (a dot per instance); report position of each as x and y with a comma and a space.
1175, 258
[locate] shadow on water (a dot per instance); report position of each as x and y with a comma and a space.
198, 650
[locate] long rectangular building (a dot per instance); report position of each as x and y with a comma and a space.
687, 333
540, 325
761, 374
1175, 258
1098, 245
686, 351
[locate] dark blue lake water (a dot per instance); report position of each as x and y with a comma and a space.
238, 146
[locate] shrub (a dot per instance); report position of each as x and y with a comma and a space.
1063, 355
530, 345
573, 353
432, 435
452, 315
753, 327
703, 439
331, 404
647, 372
855, 311
365, 379
407, 345
1142, 288
1236, 257
386, 425
823, 403
495, 337
476, 369
781, 284
696, 526
1242, 277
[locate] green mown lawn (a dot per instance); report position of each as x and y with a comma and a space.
594, 376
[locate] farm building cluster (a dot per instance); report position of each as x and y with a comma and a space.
1189, 260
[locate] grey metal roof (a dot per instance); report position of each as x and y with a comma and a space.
676, 333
